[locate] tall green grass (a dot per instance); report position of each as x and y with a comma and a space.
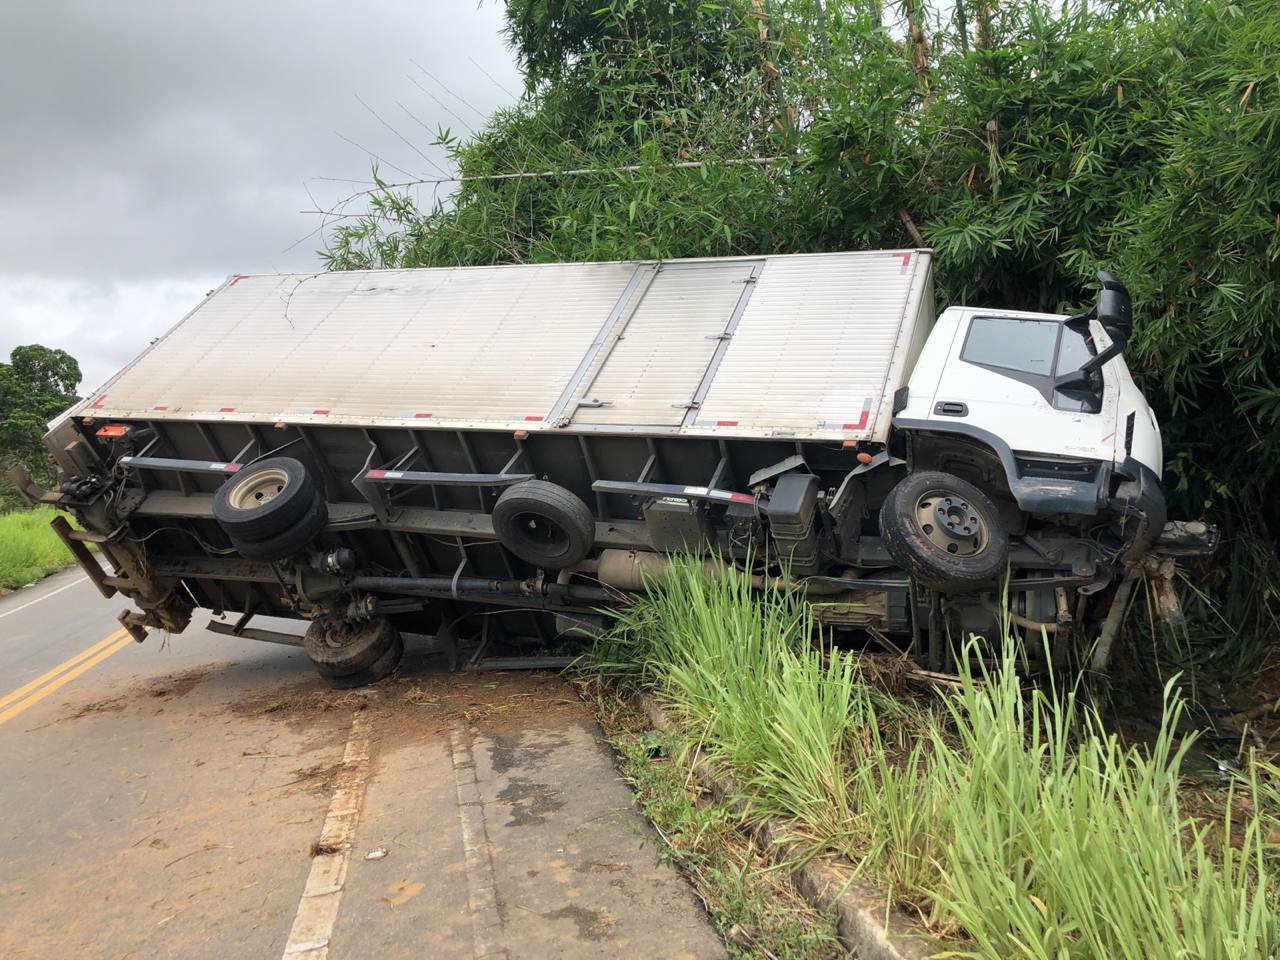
29, 550
1011, 820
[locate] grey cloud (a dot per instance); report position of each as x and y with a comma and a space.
149, 147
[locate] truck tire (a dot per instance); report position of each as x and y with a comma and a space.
264, 499
381, 668
944, 532
544, 524
339, 649
291, 541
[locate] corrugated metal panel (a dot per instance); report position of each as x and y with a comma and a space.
814, 346
481, 345
504, 347
656, 365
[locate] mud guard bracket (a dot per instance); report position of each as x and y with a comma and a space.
134, 623
73, 539
32, 492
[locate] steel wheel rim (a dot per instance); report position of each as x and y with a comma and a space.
951, 523
540, 531
263, 487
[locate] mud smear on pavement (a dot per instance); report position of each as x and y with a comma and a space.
145, 693
421, 704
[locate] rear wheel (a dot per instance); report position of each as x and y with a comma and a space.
945, 532
340, 649
264, 499
380, 669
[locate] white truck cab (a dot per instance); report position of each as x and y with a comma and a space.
995, 370
1051, 397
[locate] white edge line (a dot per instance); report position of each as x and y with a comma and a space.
51, 593
322, 895
486, 921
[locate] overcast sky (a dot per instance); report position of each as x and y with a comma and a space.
150, 149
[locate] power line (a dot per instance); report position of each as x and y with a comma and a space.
579, 172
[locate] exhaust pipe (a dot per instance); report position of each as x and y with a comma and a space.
636, 569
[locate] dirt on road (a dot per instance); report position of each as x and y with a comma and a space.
240, 809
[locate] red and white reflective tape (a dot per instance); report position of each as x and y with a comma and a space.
384, 474
863, 417
905, 257
97, 404
714, 494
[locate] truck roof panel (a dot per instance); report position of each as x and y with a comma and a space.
809, 346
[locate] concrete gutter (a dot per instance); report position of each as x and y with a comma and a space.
865, 924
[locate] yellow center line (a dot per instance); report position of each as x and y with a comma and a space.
65, 665
62, 674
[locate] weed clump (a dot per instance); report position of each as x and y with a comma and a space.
29, 549
1012, 821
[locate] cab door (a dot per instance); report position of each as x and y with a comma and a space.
999, 377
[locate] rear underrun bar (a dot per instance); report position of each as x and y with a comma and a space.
179, 466
447, 479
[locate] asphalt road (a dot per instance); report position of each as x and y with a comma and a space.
200, 796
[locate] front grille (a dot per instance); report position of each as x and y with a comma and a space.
1043, 468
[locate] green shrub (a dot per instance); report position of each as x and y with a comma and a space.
1028, 143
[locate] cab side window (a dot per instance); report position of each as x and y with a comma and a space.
1032, 352
1012, 344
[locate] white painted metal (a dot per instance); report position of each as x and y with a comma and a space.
485, 345
816, 346
656, 365
1017, 412
824, 341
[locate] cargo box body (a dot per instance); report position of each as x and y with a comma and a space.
416, 397
796, 347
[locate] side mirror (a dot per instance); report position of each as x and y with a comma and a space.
1114, 309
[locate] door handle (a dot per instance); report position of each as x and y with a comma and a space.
951, 408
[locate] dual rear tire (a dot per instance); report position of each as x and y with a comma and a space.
353, 654
271, 510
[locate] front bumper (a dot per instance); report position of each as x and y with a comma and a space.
1186, 538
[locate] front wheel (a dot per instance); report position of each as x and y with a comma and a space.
945, 532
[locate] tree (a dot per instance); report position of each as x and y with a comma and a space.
36, 385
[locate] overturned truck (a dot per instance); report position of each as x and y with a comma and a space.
501, 455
